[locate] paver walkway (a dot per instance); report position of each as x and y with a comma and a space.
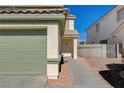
82, 77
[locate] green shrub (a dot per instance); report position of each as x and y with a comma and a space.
122, 52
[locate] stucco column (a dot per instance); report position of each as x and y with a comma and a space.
75, 48
118, 53
53, 51
53, 41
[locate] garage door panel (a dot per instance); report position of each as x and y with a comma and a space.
22, 33
23, 53
16, 43
26, 70
17, 52
24, 58
21, 62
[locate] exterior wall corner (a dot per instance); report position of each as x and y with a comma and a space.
75, 48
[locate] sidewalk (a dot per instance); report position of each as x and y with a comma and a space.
82, 77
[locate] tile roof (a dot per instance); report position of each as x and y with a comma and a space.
33, 10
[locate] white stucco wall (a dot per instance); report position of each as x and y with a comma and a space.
119, 37
107, 25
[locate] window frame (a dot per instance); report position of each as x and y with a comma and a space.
97, 27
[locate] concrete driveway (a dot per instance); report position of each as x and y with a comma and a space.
27, 81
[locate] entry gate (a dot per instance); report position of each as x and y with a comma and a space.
111, 50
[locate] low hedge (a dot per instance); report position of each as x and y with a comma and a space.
122, 52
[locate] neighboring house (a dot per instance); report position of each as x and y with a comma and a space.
32, 39
109, 29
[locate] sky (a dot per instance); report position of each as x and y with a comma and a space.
86, 15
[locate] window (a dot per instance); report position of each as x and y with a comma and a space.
93, 42
103, 41
120, 14
97, 27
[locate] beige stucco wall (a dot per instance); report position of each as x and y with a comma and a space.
91, 35
53, 41
52, 71
53, 49
75, 43
69, 25
67, 46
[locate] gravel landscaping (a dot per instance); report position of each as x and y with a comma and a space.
97, 64
109, 70
64, 79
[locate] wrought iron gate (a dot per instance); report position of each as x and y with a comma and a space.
111, 50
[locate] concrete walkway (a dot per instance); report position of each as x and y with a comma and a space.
82, 77
21, 81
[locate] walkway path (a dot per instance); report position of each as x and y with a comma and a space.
22, 81
82, 77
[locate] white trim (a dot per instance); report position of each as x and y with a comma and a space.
52, 71
75, 41
67, 54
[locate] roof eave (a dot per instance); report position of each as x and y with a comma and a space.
71, 36
101, 18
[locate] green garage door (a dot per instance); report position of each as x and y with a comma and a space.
23, 52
